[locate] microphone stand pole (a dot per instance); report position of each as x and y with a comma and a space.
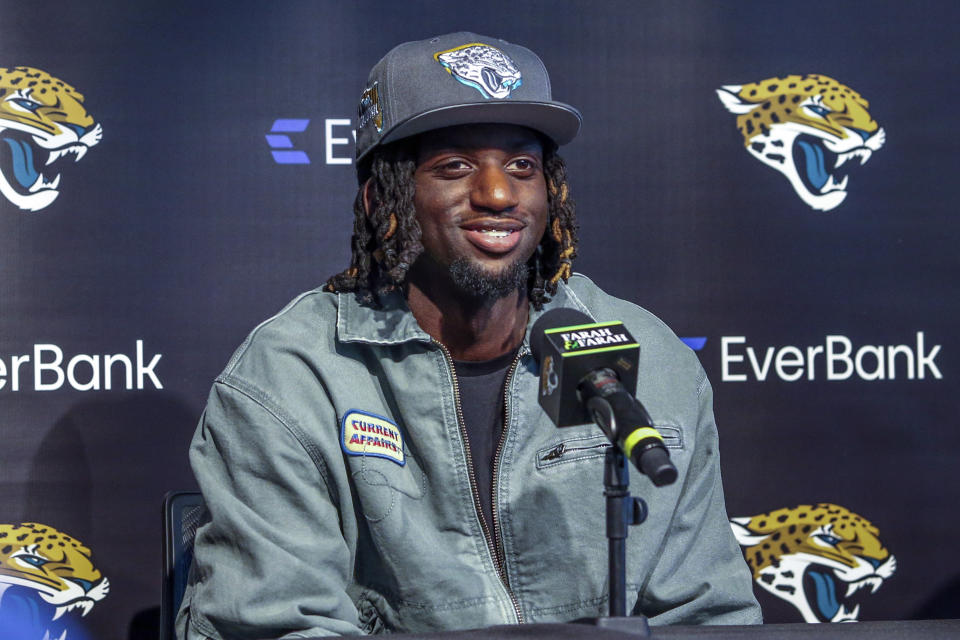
623, 510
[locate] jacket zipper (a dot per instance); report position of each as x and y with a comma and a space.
491, 544
496, 474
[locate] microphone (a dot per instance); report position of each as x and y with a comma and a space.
587, 369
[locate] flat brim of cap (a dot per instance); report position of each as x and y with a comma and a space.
558, 121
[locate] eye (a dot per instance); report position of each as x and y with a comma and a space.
523, 166
450, 168
454, 165
29, 105
827, 539
36, 561
819, 110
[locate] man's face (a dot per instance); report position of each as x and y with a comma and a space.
481, 201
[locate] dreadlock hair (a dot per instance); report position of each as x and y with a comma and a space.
386, 241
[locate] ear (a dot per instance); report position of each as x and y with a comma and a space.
745, 536
368, 196
728, 95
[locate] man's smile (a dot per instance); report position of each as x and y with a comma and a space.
493, 235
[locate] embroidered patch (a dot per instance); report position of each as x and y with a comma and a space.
366, 434
485, 68
369, 109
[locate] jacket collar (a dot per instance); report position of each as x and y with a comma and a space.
393, 323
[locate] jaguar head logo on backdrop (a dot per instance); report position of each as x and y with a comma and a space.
47, 582
810, 128
823, 559
43, 125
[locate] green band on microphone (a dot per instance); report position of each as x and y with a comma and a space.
640, 434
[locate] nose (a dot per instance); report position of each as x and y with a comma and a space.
862, 133
86, 585
76, 128
493, 190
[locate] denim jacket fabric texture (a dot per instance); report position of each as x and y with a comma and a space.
303, 538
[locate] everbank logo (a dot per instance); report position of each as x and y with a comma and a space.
339, 139
836, 359
47, 368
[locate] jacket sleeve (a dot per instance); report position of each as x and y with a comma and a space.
700, 576
270, 557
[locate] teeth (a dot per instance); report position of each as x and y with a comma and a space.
496, 233
63, 636
846, 615
862, 153
833, 185
873, 582
77, 150
84, 606
41, 183
853, 588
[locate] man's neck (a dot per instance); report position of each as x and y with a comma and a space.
470, 328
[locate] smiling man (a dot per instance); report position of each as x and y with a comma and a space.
480, 199
373, 458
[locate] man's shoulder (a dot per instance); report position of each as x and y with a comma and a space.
656, 339
309, 320
603, 306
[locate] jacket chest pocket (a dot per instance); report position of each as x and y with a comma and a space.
573, 450
583, 448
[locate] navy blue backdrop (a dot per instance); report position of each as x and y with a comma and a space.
179, 229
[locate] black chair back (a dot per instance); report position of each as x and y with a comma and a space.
181, 516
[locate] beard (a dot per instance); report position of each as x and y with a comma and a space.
481, 284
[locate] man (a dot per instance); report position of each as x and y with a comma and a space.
373, 458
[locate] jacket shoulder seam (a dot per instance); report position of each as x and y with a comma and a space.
649, 315
576, 299
242, 349
266, 402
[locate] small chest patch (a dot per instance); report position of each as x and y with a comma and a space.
366, 434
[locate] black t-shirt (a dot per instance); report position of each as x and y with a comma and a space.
481, 400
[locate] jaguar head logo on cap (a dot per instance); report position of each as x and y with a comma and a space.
485, 68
